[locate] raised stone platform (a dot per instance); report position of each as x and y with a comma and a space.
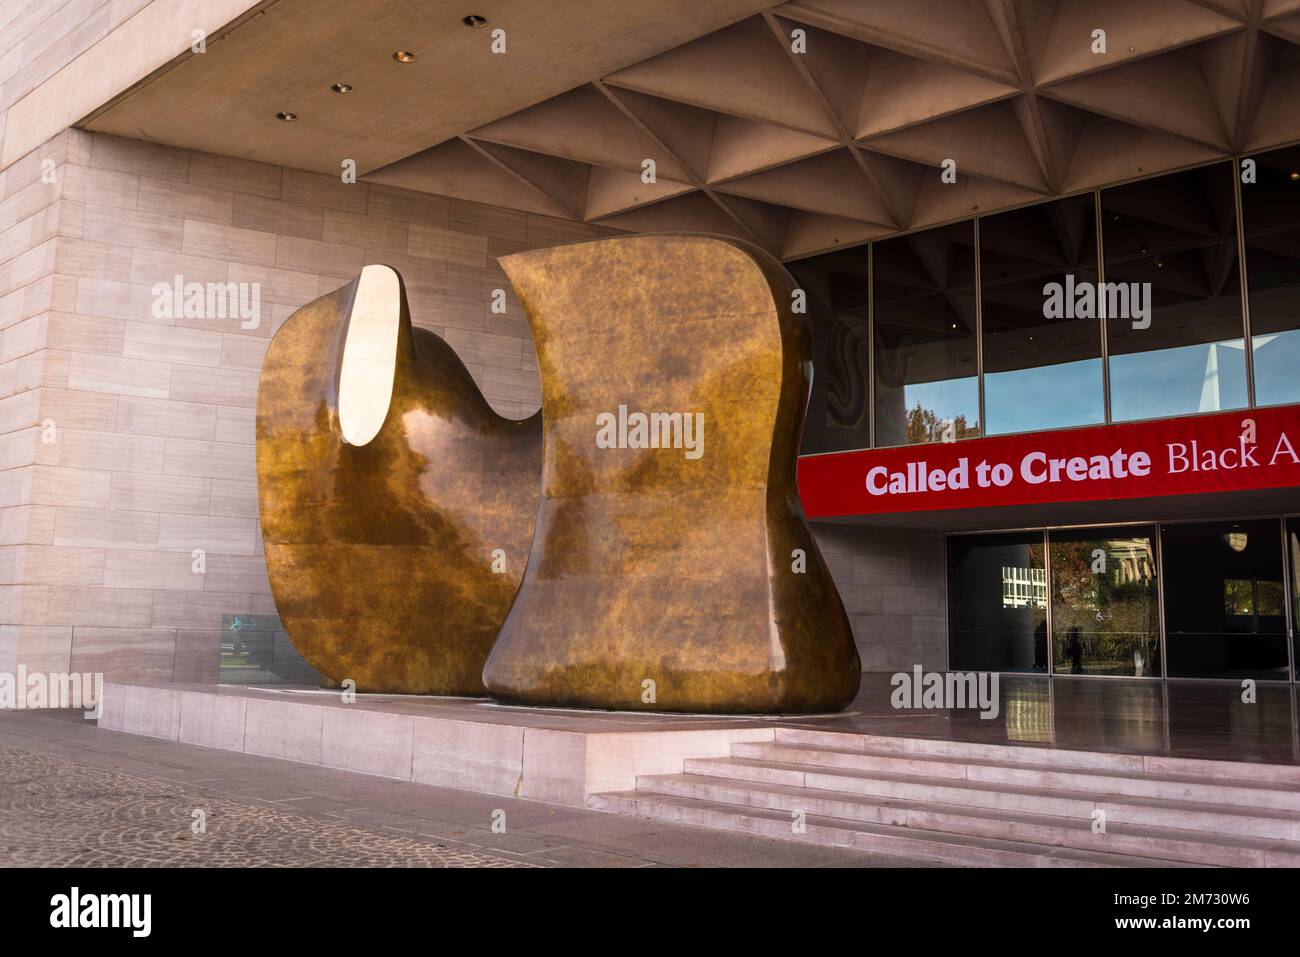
542, 755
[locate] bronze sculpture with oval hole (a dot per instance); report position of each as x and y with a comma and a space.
397, 508
671, 569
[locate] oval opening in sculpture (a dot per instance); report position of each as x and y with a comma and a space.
369, 355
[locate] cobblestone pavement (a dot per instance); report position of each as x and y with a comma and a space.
54, 812
74, 794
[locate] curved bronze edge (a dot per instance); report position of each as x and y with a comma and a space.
658, 582
393, 562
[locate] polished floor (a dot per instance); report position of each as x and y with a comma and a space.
1181, 718
1141, 716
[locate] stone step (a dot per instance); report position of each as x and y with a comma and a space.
1075, 781
1228, 819
910, 842
1184, 846
1285, 774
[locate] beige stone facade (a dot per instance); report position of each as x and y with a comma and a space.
128, 438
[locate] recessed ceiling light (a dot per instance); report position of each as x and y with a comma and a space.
403, 56
1295, 175
475, 21
286, 116
341, 87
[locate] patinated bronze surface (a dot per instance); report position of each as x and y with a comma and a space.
658, 581
393, 559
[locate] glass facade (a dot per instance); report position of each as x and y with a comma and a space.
926, 379
839, 407
1042, 366
1172, 295
1270, 209
1105, 602
997, 603
1187, 599
1119, 304
1225, 600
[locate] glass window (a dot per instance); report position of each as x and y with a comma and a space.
838, 406
997, 603
256, 650
1105, 602
1225, 609
1270, 209
1042, 330
1293, 556
926, 381
1172, 295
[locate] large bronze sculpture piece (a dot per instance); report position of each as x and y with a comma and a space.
671, 568
397, 508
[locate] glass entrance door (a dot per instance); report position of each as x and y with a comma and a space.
1225, 600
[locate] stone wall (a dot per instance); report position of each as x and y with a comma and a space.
128, 439
892, 582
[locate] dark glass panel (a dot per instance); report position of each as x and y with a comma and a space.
1105, 602
838, 407
927, 386
997, 603
1225, 614
1174, 320
1042, 339
1270, 209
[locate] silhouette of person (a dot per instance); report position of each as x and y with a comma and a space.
1074, 650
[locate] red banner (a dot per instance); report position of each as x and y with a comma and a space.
1228, 451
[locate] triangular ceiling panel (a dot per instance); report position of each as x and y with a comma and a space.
938, 202
835, 67
1109, 151
932, 91
809, 233
1133, 29
564, 181
987, 141
614, 191
741, 70
741, 147
1167, 93
831, 184
456, 169
766, 223
581, 125
693, 212
686, 131
954, 32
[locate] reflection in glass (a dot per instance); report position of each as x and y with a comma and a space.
1105, 602
997, 603
838, 408
927, 387
1270, 209
1175, 238
1293, 556
1225, 609
1042, 367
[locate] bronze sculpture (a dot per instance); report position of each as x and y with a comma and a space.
666, 573
661, 579
397, 508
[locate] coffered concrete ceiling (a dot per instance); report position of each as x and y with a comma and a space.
286, 54
800, 151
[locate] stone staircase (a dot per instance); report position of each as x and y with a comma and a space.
972, 804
